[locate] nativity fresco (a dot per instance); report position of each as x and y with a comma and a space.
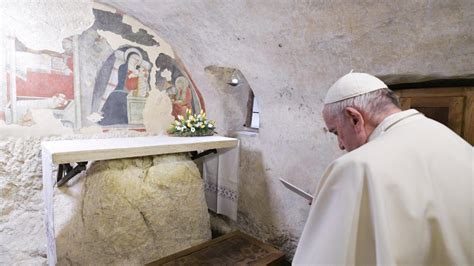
43, 80
121, 87
110, 91
138, 65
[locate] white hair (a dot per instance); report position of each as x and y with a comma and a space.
373, 104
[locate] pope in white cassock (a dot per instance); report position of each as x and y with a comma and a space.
403, 195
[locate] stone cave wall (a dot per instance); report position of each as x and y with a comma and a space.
290, 52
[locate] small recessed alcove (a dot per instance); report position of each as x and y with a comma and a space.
241, 108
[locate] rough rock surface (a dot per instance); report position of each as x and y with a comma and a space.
123, 211
22, 234
290, 52
132, 211
39, 28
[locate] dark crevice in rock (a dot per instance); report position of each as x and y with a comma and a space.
148, 225
84, 193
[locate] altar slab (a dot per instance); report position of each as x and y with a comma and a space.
69, 151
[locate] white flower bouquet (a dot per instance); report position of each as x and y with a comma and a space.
192, 125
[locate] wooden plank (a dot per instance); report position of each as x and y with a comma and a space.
435, 92
273, 259
257, 242
274, 256
193, 249
433, 101
469, 120
405, 103
461, 112
456, 113
455, 105
66, 151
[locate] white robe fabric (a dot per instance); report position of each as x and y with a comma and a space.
404, 198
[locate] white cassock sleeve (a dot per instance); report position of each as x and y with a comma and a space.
339, 221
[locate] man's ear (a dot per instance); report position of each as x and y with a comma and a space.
355, 117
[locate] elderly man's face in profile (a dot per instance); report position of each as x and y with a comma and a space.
348, 129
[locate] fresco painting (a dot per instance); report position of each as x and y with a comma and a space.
115, 95
43, 80
121, 87
170, 77
124, 81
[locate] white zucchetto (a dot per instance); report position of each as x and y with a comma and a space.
351, 85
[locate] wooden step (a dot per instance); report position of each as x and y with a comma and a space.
235, 248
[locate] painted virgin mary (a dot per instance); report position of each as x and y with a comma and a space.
126, 72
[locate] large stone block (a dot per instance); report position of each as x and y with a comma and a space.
131, 211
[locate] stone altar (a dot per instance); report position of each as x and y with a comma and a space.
126, 210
